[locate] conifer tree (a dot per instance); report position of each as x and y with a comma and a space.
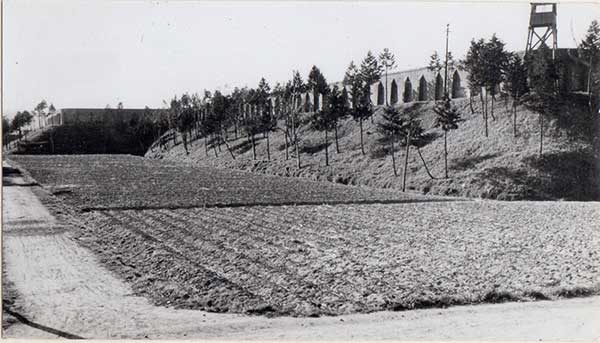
318, 85
359, 98
388, 62
325, 119
447, 118
515, 82
495, 59
473, 64
543, 75
370, 72
589, 51
297, 88
391, 126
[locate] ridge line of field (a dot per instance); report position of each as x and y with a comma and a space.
268, 204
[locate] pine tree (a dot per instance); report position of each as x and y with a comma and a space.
543, 75
388, 62
412, 133
325, 120
370, 72
359, 98
391, 126
435, 65
515, 83
318, 85
342, 111
589, 51
494, 59
297, 87
447, 119
473, 64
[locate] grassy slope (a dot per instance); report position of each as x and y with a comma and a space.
83, 138
499, 166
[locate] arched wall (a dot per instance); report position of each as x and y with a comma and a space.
393, 92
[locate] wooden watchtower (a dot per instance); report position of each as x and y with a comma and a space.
542, 19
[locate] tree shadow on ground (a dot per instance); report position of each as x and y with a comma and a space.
383, 148
470, 162
312, 148
569, 175
242, 147
572, 175
429, 137
570, 113
245, 145
504, 183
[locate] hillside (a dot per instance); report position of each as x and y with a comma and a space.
83, 138
499, 166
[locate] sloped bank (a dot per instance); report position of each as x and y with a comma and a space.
500, 166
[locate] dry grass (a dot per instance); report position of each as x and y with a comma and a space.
500, 166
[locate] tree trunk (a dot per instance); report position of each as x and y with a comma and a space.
386, 87
492, 112
326, 150
394, 159
184, 138
589, 85
297, 149
268, 147
214, 147
337, 146
482, 104
541, 133
486, 117
206, 145
285, 136
514, 118
51, 136
446, 153
406, 163
471, 104
253, 148
425, 164
362, 147
296, 143
229, 149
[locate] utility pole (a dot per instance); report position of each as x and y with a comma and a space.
446, 62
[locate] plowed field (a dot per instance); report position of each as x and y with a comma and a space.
192, 237
130, 182
314, 260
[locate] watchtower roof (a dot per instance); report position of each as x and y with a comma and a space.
543, 14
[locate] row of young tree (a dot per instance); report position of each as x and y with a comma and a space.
212, 115
24, 119
535, 77
490, 68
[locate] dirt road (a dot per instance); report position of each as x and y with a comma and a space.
62, 290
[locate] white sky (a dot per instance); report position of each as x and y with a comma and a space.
97, 52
